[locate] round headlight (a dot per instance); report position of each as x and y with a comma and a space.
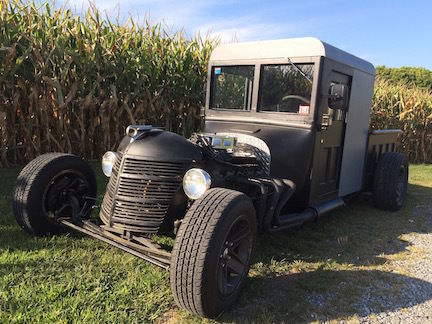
195, 183
108, 161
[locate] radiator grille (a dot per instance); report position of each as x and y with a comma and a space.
139, 194
151, 168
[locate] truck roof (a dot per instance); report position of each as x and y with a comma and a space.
292, 47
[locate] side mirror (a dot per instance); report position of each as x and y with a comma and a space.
338, 97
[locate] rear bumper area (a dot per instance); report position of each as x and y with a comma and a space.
138, 246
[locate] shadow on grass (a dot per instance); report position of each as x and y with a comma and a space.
310, 273
32, 265
328, 295
358, 234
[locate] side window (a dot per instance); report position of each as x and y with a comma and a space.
286, 88
232, 87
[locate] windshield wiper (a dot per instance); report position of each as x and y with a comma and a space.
299, 70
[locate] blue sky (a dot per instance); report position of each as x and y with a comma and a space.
393, 33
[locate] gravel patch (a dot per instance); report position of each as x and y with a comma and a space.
413, 303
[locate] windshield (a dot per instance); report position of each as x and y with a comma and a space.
286, 88
232, 87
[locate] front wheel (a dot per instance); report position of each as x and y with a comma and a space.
212, 252
51, 186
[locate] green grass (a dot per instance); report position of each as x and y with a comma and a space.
321, 271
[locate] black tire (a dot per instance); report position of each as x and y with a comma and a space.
34, 196
202, 261
390, 181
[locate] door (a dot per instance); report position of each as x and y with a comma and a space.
330, 145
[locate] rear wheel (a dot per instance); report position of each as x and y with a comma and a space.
390, 181
212, 252
51, 186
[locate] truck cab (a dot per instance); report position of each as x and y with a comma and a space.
283, 93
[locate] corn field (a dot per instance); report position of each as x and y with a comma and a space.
73, 83
408, 108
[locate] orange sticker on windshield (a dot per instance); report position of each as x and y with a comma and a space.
303, 110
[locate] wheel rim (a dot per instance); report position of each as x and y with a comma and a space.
67, 190
401, 185
234, 256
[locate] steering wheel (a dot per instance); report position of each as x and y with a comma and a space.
296, 97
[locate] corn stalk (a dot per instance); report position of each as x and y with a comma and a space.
73, 84
409, 109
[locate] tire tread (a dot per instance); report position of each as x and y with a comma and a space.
195, 239
27, 181
386, 178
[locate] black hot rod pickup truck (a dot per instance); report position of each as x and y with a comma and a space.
286, 140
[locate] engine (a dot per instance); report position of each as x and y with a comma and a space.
237, 154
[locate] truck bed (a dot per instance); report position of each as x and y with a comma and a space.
379, 142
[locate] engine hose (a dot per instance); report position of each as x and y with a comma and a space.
291, 187
267, 221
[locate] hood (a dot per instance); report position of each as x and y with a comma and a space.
160, 145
